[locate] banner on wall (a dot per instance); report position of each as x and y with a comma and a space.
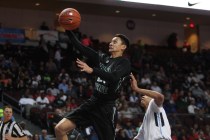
12, 35
191, 4
49, 35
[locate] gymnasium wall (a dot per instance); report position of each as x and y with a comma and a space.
205, 37
149, 31
26, 19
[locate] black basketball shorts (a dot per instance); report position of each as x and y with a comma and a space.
101, 115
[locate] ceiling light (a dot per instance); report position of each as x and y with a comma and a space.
187, 18
154, 15
191, 25
202, 5
37, 4
117, 11
185, 25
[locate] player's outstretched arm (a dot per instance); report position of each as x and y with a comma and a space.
119, 71
158, 97
86, 51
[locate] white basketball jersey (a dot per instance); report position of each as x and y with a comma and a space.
155, 124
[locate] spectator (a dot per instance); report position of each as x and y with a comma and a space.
136, 56
44, 26
160, 75
128, 130
63, 96
186, 84
72, 91
71, 104
175, 121
63, 75
121, 135
58, 102
51, 67
55, 91
167, 91
42, 100
145, 80
44, 135
34, 82
133, 98
5, 81
197, 91
126, 112
26, 103
122, 100
35, 137
63, 86
26, 131
189, 97
86, 41
50, 97
43, 51
192, 109
156, 87
181, 103
58, 58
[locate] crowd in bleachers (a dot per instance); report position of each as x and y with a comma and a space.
46, 83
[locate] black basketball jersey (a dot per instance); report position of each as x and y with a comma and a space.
109, 72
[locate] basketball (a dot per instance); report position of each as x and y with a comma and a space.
69, 19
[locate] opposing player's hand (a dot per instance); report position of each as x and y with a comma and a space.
83, 66
134, 85
135, 138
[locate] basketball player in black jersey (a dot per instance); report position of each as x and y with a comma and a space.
99, 111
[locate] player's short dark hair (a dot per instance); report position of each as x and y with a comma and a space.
124, 39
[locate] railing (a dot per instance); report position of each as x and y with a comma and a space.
8, 100
177, 120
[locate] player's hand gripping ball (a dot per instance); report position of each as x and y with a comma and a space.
69, 19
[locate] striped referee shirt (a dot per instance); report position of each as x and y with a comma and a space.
11, 128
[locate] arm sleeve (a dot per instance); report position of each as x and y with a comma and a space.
154, 106
140, 135
18, 130
121, 69
86, 51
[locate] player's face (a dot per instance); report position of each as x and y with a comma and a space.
7, 114
116, 45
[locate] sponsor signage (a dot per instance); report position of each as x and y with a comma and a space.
12, 35
190, 4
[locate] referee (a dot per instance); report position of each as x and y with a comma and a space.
9, 129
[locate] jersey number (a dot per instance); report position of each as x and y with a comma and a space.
159, 119
100, 80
